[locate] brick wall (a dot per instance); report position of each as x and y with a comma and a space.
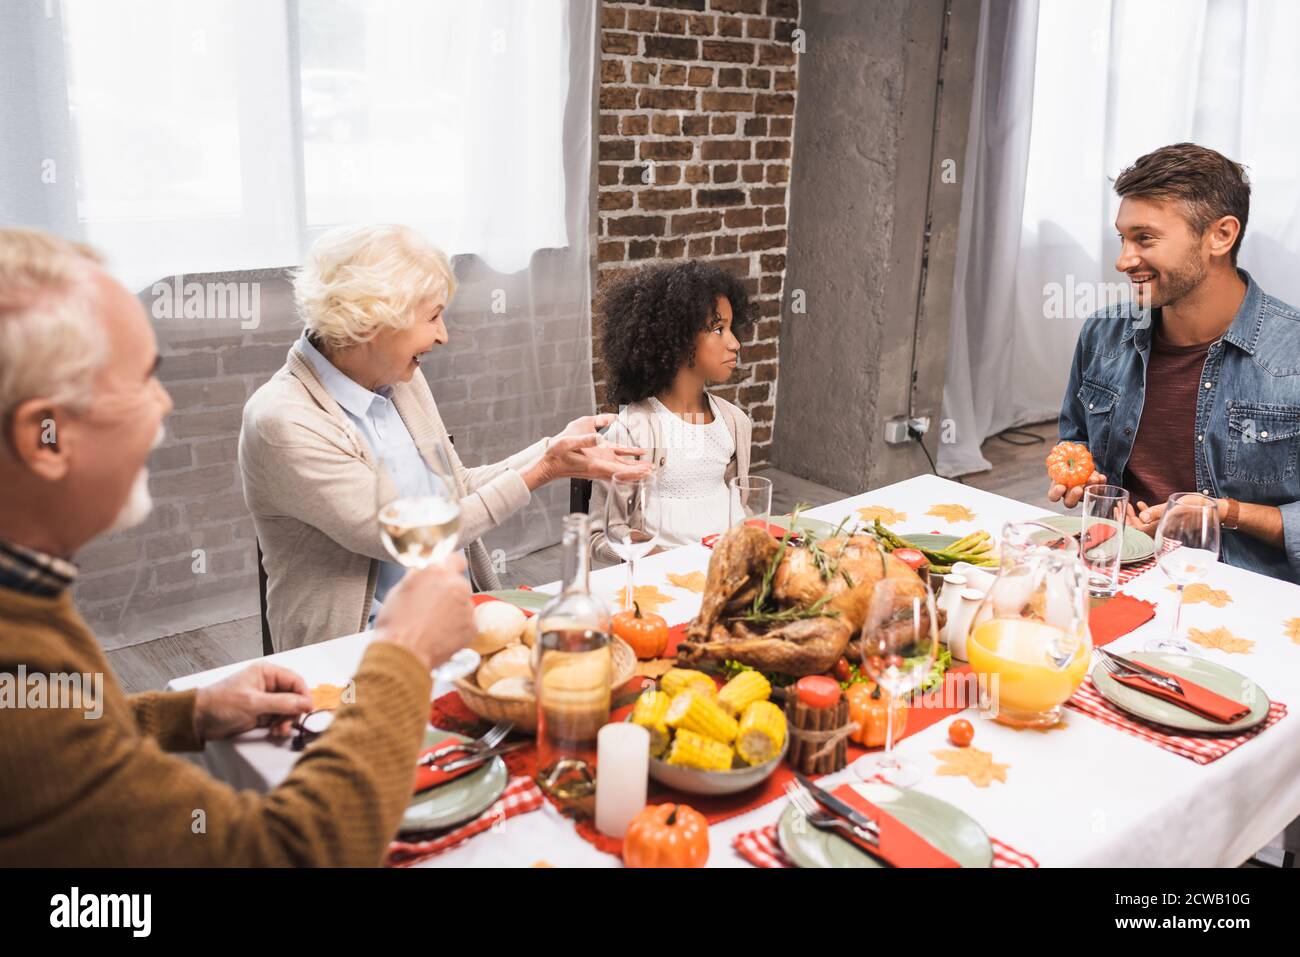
148, 581
696, 123
506, 379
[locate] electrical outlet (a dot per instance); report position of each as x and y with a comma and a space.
920, 424
896, 431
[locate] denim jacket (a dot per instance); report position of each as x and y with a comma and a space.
1247, 413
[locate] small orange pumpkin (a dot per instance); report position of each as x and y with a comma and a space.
667, 835
647, 634
1070, 464
868, 708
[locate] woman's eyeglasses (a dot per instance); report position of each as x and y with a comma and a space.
310, 726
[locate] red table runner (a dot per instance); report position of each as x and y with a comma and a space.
1108, 621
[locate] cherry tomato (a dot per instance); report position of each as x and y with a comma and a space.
842, 670
960, 732
818, 691
911, 558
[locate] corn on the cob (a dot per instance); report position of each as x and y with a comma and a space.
691, 750
702, 714
677, 680
762, 732
649, 713
746, 687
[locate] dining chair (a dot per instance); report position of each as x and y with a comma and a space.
267, 647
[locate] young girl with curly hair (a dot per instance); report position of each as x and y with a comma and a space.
671, 331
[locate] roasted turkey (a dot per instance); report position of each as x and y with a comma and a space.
845, 573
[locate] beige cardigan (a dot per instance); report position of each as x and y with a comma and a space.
637, 425
309, 480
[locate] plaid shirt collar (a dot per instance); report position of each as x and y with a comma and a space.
27, 570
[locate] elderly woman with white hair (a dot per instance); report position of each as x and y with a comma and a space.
349, 404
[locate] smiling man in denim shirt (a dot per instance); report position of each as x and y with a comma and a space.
1194, 385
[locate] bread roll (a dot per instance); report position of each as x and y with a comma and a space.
529, 635
514, 688
515, 661
498, 624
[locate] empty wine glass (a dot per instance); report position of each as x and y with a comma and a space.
1187, 547
750, 500
899, 640
632, 521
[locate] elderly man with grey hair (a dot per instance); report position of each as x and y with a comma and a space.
350, 409
90, 782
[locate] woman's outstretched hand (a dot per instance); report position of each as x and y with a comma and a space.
577, 452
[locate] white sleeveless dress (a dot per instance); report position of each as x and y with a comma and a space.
695, 500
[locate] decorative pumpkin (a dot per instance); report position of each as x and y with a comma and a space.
647, 634
868, 710
667, 835
1070, 464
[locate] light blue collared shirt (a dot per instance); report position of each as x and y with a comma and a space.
376, 417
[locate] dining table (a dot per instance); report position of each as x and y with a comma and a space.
1083, 794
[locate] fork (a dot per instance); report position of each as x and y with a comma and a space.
822, 819
1121, 670
481, 757
490, 740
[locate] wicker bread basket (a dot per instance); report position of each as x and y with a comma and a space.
523, 711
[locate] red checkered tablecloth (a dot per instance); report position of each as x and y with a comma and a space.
1129, 572
762, 849
520, 796
1200, 748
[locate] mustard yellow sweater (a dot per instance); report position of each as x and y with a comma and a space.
81, 790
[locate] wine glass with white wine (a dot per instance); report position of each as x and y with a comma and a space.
419, 524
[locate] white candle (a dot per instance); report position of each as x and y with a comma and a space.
622, 765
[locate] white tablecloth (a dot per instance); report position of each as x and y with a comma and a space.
1085, 795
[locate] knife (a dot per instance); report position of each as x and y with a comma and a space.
1145, 672
480, 757
838, 807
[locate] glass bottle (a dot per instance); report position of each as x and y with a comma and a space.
571, 672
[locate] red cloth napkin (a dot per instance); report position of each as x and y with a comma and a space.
1117, 616
1096, 535
899, 844
427, 777
1195, 698
776, 531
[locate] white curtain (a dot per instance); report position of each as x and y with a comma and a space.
216, 140
222, 136
1101, 83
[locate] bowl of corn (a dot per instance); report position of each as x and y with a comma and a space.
710, 740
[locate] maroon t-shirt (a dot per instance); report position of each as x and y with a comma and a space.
1163, 460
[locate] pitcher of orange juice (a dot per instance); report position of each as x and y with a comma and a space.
1029, 642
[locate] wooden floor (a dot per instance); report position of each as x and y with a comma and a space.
1018, 472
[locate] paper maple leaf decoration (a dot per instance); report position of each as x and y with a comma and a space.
1222, 639
655, 668
1201, 592
887, 515
1292, 631
648, 597
952, 513
971, 763
691, 581
326, 697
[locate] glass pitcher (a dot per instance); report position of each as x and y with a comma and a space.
1029, 642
